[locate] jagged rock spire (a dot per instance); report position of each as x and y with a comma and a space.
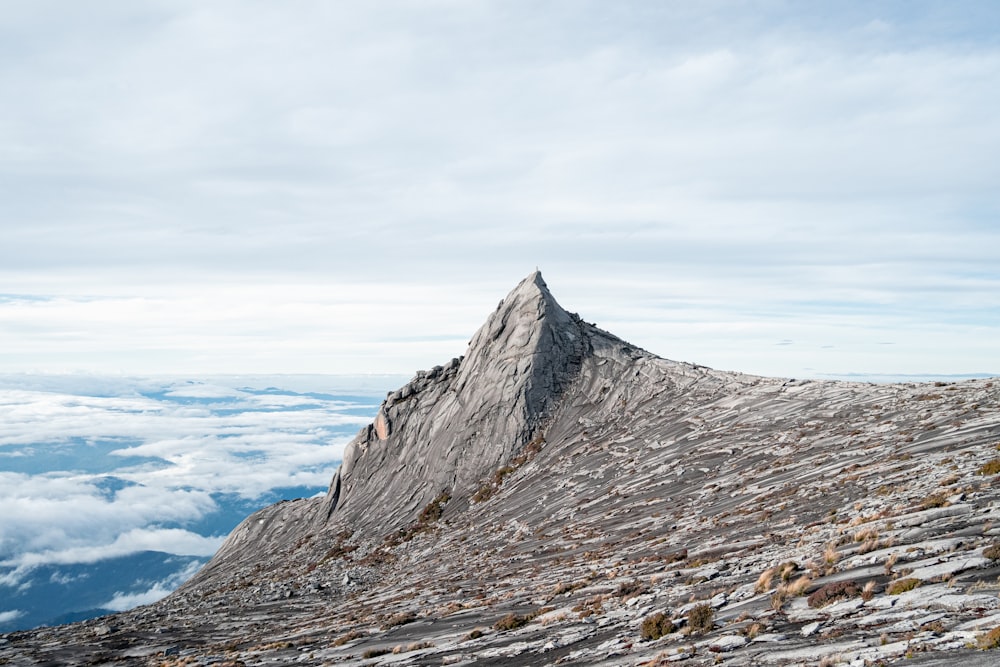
452, 426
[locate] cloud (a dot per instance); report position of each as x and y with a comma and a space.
127, 465
8, 616
167, 540
244, 188
158, 591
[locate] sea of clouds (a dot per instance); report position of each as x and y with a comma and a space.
98, 470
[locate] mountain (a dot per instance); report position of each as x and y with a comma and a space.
559, 496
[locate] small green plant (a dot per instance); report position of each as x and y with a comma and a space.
991, 467
701, 619
655, 626
903, 585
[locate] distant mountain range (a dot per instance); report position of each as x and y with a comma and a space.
559, 496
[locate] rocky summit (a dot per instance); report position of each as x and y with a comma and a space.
558, 496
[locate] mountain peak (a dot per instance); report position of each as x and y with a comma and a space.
450, 427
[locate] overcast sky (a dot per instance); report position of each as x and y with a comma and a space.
345, 187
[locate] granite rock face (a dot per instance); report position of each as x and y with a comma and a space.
452, 426
558, 496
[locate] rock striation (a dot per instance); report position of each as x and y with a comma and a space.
558, 496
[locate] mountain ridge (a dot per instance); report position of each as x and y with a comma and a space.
540, 499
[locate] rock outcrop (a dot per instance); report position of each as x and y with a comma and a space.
558, 496
452, 426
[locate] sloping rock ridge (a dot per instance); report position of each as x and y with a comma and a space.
558, 496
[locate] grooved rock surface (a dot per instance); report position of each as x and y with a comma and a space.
538, 501
452, 426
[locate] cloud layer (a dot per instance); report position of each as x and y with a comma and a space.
146, 465
335, 187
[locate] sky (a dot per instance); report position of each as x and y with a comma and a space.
783, 188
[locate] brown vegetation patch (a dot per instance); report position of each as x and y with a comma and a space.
401, 618
834, 592
511, 622
989, 640
991, 467
349, 637
630, 589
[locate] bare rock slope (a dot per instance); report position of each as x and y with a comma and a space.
558, 496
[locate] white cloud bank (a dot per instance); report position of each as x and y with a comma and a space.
158, 591
86, 497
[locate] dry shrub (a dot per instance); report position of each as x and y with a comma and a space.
594, 605
784, 571
869, 546
701, 618
564, 587
799, 586
628, 589
831, 555
655, 626
349, 637
989, 640
401, 618
415, 646
992, 552
787, 569
764, 581
934, 500
868, 592
434, 509
511, 622
866, 534
991, 467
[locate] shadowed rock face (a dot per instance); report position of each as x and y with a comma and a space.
560, 475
